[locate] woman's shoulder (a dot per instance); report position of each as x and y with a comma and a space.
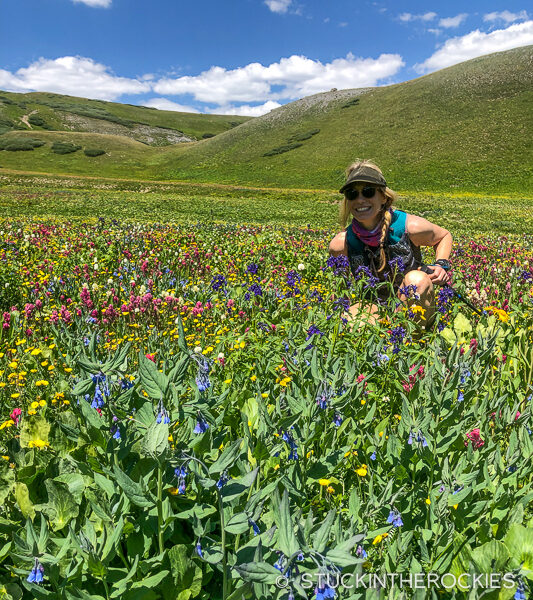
338, 244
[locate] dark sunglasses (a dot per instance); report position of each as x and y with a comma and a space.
368, 192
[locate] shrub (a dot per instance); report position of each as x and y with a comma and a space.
351, 102
282, 149
64, 147
19, 144
93, 152
304, 136
208, 135
36, 120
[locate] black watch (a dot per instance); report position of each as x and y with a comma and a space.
444, 263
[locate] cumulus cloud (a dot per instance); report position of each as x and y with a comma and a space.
477, 43
453, 21
72, 75
278, 6
94, 3
245, 110
408, 17
506, 16
166, 104
293, 77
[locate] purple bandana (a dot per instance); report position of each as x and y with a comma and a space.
370, 238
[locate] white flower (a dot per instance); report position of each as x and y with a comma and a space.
96, 266
301, 267
142, 290
221, 355
95, 287
110, 281
195, 288
198, 350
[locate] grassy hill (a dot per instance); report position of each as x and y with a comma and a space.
39, 111
465, 128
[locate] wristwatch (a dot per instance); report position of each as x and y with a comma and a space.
444, 263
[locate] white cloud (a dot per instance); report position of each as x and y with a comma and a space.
506, 16
296, 76
94, 3
278, 6
407, 17
453, 21
166, 104
245, 110
72, 75
477, 43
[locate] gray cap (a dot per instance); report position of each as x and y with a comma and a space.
364, 174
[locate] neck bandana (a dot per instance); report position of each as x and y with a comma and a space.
370, 238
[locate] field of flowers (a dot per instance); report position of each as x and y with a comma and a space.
186, 412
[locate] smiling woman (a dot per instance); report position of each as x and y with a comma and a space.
384, 244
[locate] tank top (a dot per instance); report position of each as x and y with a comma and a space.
398, 245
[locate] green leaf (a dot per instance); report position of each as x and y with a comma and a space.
22, 496
155, 441
74, 483
105, 484
321, 537
228, 457
133, 490
286, 539
61, 501
153, 382
83, 387
260, 572
519, 541
237, 524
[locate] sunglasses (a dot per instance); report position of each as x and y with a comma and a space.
368, 192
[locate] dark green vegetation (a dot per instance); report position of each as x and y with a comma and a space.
70, 197
466, 128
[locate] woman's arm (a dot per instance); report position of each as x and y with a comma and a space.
424, 233
338, 245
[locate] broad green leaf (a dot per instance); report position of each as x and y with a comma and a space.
132, 489
22, 496
155, 441
261, 572
61, 501
237, 524
227, 458
153, 382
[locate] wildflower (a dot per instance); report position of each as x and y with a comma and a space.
520, 593
254, 526
222, 481
150, 357
252, 269
202, 377
181, 474
36, 575
337, 419
409, 291
360, 551
313, 330
395, 518
382, 358
474, 437
199, 549
362, 471
420, 439
324, 592
115, 432
397, 335
340, 264
379, 538
444, 296
373, 456
219, 281
162, 414
201, 425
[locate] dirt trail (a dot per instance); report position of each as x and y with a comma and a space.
24, 119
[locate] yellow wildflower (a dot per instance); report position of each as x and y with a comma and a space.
361, 471
324, 482
37, 444
8, 423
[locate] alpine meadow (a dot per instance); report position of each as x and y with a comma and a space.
187, 410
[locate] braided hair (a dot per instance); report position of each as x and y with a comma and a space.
390, 197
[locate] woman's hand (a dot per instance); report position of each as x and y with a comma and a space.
439, 276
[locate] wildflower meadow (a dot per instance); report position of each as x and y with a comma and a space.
187, 413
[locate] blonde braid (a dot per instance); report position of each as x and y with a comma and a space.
384, 232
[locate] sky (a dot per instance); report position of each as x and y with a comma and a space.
242, 57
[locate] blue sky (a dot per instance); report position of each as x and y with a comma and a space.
241, 56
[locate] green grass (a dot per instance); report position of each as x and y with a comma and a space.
27, 196
465, 128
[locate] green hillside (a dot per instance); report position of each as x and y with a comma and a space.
465, 128
40, 111
469, 126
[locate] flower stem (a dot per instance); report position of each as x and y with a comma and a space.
223, 542
160, 508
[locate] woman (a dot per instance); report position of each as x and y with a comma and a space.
387, 242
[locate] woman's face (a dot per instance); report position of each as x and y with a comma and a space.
365, 210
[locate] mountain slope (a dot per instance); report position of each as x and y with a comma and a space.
465, 128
